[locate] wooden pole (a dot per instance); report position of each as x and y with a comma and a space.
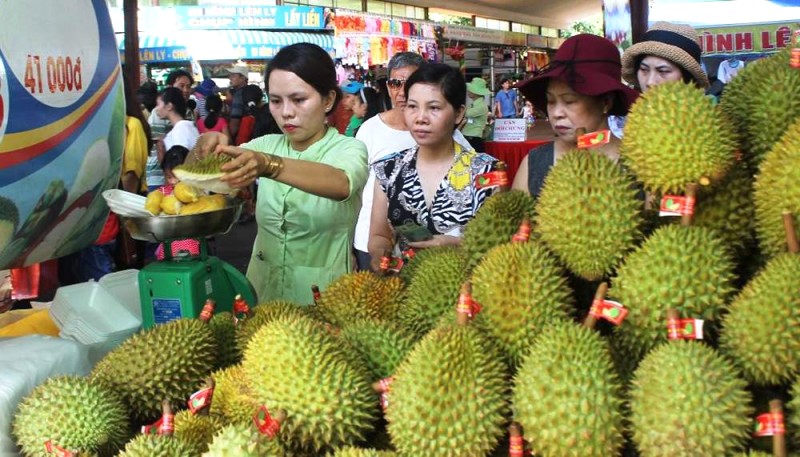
131, 13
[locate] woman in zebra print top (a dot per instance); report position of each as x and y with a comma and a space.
431, 185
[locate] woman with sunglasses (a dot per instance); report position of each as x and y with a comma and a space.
309, 180
430, 186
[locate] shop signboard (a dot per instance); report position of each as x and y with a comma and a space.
537, 41
746, 39
62, 114
510, 130
250, 17
479, 35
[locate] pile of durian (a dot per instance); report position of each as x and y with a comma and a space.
198, 190
469, 342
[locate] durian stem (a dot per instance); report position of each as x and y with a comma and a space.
778, 439
503, 167
791, 235
206, 409
691, 192
516, 443
599, 296
462, 318
166, 415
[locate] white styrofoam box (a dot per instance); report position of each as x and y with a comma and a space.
124, 286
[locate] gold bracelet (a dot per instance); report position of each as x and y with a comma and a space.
273, 167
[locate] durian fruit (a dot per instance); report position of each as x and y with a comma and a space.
410, 267
767, 97
233, 399
263, 314
381, 345
205, 174
358, 452
674, 136
170, 205
167, 362
567, 395
777, 190
242, 441
449, 397
360, 295
688, 400
224, 329
432, 291
75, 414
522, 290
685, 268
196, 430
588, 213
153, 202
761, 331
495, 223
294, 364
792, 416
186, 193
205, 204
157, 446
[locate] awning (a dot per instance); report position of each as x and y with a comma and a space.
221, 44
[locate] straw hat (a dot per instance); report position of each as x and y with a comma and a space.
674, 42
239, 69
478, 86
590, 65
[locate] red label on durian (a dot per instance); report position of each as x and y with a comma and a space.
409, 254
516, 446
466, 305
594, 139
794, 58
523, 234
208, 310
265, 424
498, 178
241, 310
684, 329
163, 426
769, 424
676, 205
58, 451
386, 387
200, 399
608, 310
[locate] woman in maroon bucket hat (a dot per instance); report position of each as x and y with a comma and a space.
580, 89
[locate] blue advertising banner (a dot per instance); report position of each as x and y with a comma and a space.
250, 17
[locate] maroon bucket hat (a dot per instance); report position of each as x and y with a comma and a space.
590, 64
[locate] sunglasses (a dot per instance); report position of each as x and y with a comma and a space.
396, 83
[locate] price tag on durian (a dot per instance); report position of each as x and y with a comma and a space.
685, 329
769, 424
676, 205
386, 387
466, 305
265, 424
492, 179
200, 399
794, 59
523, 234
58, 451
392, 264
516, 446
163, 426
594, 139
608, 310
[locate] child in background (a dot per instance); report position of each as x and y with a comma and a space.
527, 114
172, 158
213, 121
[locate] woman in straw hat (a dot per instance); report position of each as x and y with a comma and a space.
667, 52
477, 114
580, 89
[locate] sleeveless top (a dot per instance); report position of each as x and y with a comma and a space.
540, 161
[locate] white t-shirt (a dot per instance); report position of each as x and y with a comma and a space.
382, 140
184, 133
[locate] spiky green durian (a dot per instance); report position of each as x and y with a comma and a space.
432, 292
294, 364
360, 295
381, 345
8, 222
449, 396
674, 136
768, 95
685, 268
495, 223
166, 362
205, 174
243, 441
233, 397
157, 446
410, 267
195, 430
522, 290
588, 213
761, 331
74, 414
358, 452
688, 400
224, 329
567, 395
263, 314
727, 208
777, 190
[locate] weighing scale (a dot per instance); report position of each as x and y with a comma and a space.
179, 285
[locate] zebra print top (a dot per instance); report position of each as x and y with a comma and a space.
456, 200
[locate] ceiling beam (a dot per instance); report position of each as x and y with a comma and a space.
491, 12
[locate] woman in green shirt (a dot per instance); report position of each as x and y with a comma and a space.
309, 180
477, 115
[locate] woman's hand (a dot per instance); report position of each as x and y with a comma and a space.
244, 169
437, 240
206, 144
